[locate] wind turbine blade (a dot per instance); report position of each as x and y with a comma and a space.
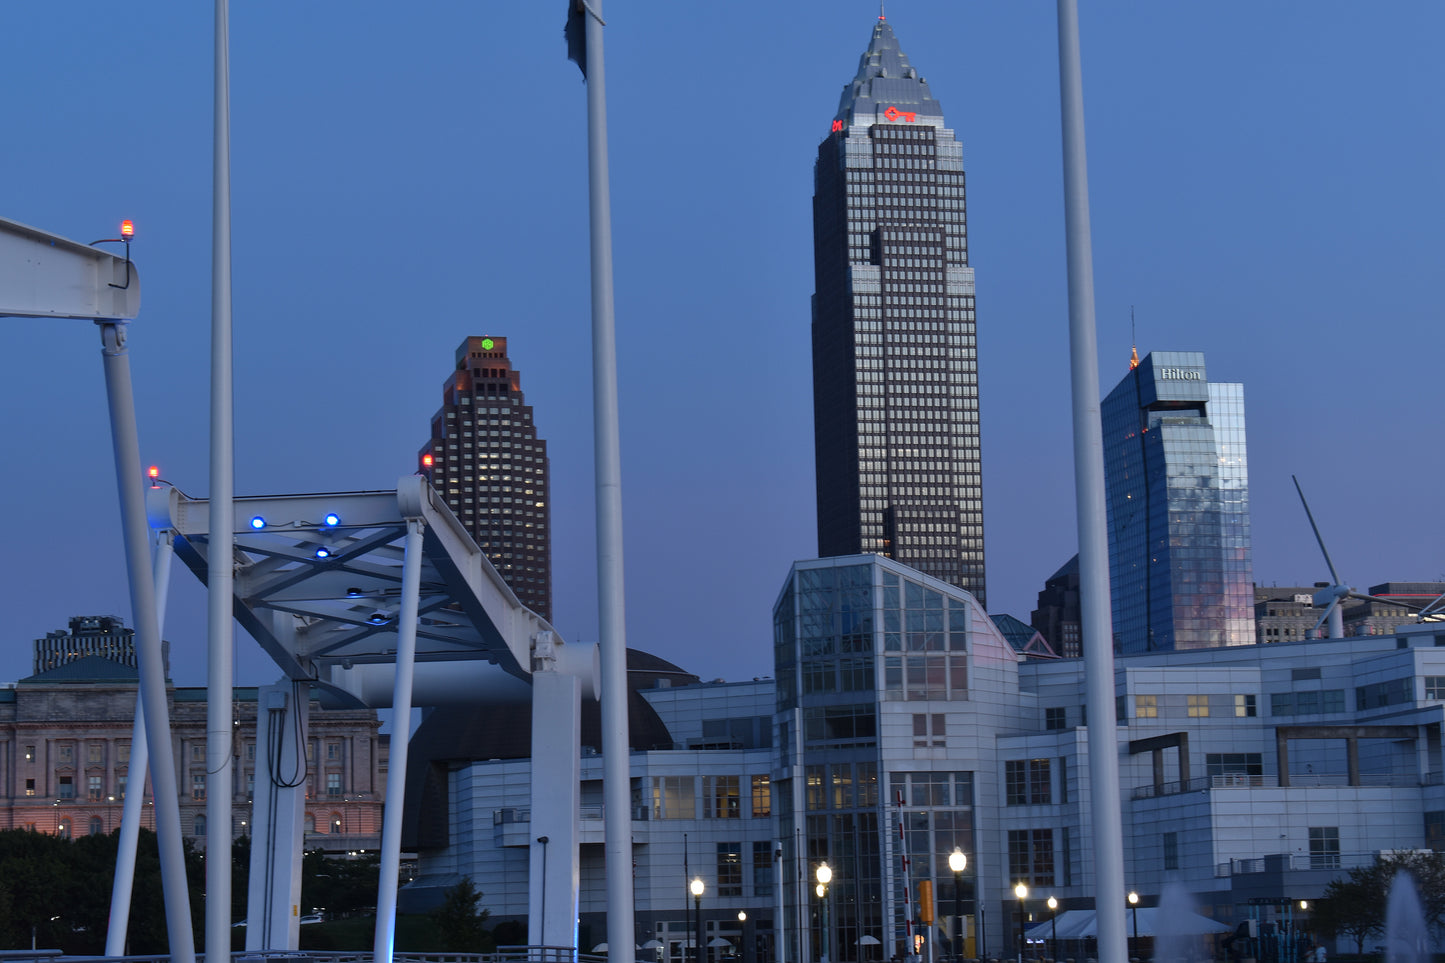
1328, 609
1334, 578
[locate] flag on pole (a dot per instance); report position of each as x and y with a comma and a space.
576, 34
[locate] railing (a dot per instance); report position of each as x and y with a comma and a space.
503, 954
1292, 862
1240, 780
520, 814
515, 814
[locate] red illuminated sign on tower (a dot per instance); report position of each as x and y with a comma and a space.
893, 113
837, 126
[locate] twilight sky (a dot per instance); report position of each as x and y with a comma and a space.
1265, 187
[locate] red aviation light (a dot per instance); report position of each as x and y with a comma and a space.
127, 230
153, 471
426, 461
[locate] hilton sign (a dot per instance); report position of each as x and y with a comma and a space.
1180, 374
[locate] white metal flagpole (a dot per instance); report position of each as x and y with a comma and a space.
612, 629
1098, 636
221, 543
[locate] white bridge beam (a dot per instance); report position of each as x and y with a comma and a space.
44, 275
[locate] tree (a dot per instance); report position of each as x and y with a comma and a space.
1355, 906
461, 925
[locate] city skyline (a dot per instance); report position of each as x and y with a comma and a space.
1255, 199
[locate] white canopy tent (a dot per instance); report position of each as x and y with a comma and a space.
1081, 924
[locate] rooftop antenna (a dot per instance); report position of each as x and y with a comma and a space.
881, 14
1133, 342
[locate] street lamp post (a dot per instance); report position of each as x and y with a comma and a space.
825, 876
697, 887
1022, 892
957, 862
1134, 909
1053, 928
742, 934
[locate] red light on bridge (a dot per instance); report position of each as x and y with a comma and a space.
127, 230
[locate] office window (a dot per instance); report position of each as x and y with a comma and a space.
198, 786
1031, 856
97, 826
1056, 717
120, 785
1324, 847
1435, 830
1146, 707
93, 788
30, 787
1244, 706
64, 753
199, 825
62, 829
95, 753
1435, 686
1171, 850
29, 753
929, 729
250, 752
333, 752
674, 797
333, 784
720, 797
762, 797
122, 752
1198, 706
66, 786
730, 869
763, 873
1027, 782
198, 752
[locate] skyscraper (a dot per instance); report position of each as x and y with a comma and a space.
1177, 483
486, 460
895, 385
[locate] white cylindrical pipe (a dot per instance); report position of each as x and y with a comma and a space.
126, 444
612, 628
1098, 638
220, 626
385, 938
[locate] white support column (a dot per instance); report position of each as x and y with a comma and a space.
385, 937
273, 898
126, 444
122, 885
554, 873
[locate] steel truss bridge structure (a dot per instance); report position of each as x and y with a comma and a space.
379, 598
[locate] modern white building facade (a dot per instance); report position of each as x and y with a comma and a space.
1251, 774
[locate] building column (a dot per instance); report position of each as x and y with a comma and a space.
1281, 752
273, 899
554, 873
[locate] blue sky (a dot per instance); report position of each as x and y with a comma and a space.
1265, 183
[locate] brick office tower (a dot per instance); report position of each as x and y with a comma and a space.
895, 369
490, 466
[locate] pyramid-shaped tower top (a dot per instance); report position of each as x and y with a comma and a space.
887, 89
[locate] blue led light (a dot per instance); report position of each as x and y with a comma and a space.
258, 522
332, 519
323, 552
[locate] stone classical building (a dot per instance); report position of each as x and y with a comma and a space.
65, 743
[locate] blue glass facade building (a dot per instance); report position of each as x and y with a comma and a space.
1177, 482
